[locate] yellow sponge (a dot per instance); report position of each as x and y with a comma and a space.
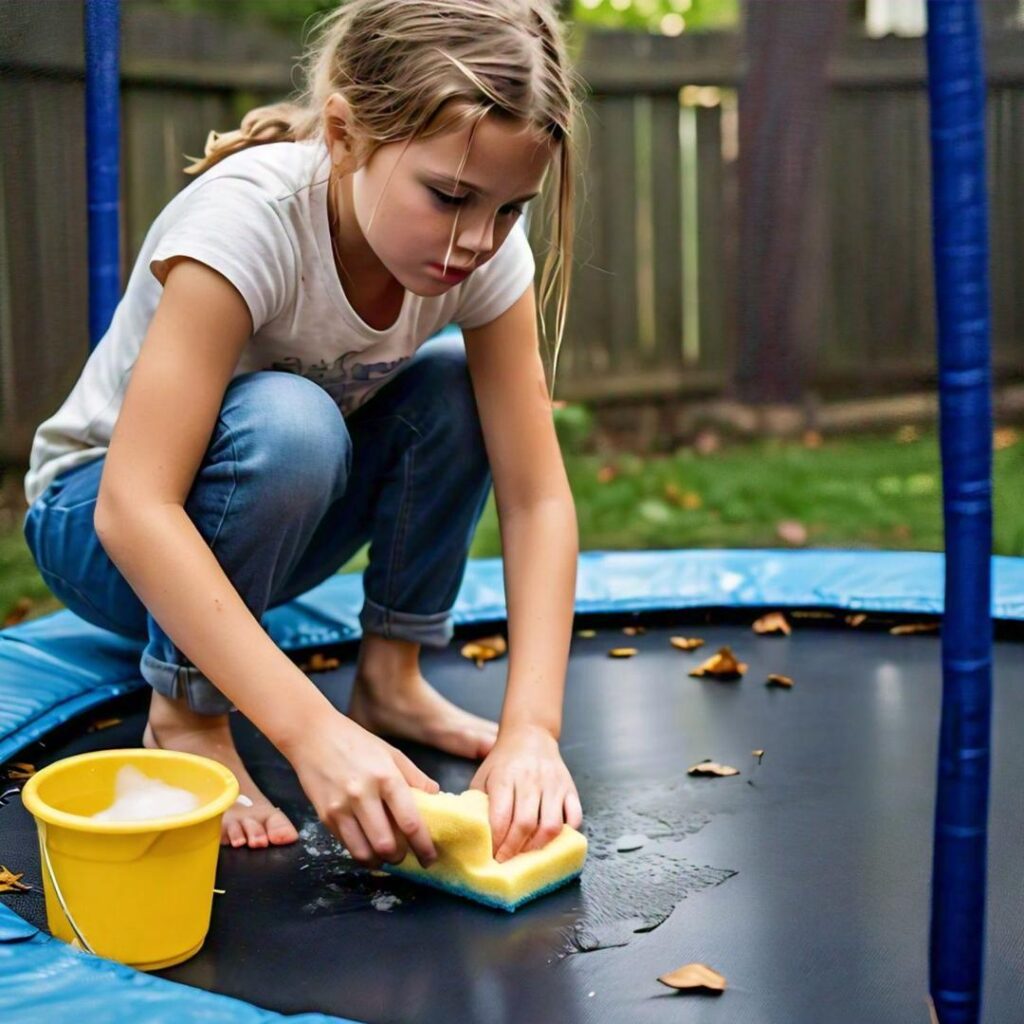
461, 831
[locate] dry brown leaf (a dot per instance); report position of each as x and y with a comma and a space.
18, 612
694, 978
104, 723
759, 754
11, 882
908, 434
606, 474
686, 643
634, 630
774, 623
622, 652
19, 770
691, 501
722, 665
586, 633
487, 648
812, 439
912, 628
792, 531
1004, 437
777, 680
856, 620
712, 769
319, 662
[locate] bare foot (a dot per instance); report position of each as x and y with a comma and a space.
414, 710
174, 726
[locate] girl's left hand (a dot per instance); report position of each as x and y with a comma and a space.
531, 791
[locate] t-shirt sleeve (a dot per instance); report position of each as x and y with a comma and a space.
493, 288
233, 227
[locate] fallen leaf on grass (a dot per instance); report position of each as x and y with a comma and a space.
776, 680
18, 612
11, 882
485, 649
1004, 437
694, 978
622, 652
104, 723
686, 643
773, 624
722, 665
19, 770
691, 501
606, 474
908, 434
912, 628
712, 769
792, 531
812, 439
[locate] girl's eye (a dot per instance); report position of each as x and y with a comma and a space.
446, 198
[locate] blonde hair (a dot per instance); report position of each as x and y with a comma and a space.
416, 68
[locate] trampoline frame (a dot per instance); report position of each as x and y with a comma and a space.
959, 216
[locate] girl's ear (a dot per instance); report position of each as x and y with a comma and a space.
339, 134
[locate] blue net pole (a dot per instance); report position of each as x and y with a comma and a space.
103, 144
956, 88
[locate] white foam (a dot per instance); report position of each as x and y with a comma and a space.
137, 797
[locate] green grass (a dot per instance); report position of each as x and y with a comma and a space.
865, 492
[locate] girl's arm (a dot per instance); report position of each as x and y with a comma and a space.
530, 790
162, 433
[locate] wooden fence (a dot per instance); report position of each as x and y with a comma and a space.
654, 312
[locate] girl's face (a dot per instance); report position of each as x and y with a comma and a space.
431, 224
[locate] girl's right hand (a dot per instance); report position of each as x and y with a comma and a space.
359, 787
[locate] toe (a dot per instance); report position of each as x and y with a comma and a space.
235, 833
255, 833
280, 830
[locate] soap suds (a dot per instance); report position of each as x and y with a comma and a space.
137, 797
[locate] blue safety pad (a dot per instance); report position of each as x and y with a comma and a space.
45, 980
54, 668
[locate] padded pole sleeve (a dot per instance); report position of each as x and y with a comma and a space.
103, 145
956, 88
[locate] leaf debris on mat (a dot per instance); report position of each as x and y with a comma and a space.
319, 662
856, 620
712, 769
487, 648
913, 628
686, 643
11, 882
586, 633
634, 630
775, 679
723, 665
773, 624
694, 978
104, 723
18, 771
622, 652
759, 754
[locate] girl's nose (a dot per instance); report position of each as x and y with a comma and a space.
477, 235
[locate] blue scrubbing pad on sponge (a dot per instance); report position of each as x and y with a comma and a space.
460, 827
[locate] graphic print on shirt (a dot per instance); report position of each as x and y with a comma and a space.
349, 383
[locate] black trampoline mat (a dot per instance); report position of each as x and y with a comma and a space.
804, 880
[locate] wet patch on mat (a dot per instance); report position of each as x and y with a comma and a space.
620, 894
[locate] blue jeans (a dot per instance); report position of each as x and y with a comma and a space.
287, 492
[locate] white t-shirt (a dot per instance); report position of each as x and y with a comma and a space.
259, 217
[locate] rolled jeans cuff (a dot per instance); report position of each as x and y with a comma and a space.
177, 681
434, 630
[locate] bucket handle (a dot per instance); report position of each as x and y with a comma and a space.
83, 942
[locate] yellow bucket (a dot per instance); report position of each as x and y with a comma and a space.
135, 891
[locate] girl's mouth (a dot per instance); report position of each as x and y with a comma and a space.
453, 275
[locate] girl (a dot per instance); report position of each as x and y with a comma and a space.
261, 406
